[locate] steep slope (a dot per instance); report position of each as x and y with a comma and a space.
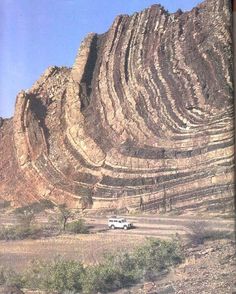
144, 118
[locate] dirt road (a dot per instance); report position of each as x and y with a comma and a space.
147, 225
90, 248
161, 226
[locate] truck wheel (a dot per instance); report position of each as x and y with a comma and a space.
125, 227
112, 227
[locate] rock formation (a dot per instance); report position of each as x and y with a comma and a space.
144, 118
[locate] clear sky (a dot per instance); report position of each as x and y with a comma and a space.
35, 34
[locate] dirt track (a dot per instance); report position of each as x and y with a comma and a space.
161, 226
91, 248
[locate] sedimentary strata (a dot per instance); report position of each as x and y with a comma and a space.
144, 118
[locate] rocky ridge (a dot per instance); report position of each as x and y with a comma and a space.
143, 119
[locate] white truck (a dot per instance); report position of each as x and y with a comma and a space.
119, 223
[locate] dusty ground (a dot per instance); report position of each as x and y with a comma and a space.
87, 248
208, 269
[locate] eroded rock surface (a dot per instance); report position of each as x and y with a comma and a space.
144, 118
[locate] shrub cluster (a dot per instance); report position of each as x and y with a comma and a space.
77, 227
115, 272
57, 275
26, 230
26, 219
199, 232
8, 277
19, 232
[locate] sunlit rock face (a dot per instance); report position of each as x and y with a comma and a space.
144, 118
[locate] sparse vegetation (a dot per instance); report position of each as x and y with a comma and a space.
26, 218
202, 231
156, 256
64, 215
26, 223
57, 275
77, 227
25, 227
198, 232
8, 277
114, 272
19, 232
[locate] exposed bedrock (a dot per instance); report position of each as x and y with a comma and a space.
144, 118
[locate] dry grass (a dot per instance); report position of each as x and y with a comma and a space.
86, 248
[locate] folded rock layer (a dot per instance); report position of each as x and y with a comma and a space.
144, 118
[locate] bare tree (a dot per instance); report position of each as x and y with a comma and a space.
164, 199
65, 215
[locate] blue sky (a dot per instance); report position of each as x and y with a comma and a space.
35, 34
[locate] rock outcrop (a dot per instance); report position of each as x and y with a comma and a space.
144, 118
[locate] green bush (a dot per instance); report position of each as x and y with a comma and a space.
77, 227
156, 256
9, 277
199, 232
19, 232
115, 272
58, 275
126, 269
64, 215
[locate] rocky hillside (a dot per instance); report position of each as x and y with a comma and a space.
144, 118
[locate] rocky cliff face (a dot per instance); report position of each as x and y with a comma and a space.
143, 118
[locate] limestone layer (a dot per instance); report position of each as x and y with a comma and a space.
144, 118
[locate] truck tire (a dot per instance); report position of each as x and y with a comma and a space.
125, 227
112, 227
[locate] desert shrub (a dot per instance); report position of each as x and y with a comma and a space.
26, 219
64, 215
125, 269
2, 278
201, 232
19, 232
26, 215
219, 235
57, 275
98, 278
116, 271
103, 278
77, 227
9, 277
51, 228
156, 256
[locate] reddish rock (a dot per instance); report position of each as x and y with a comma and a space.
143, 120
